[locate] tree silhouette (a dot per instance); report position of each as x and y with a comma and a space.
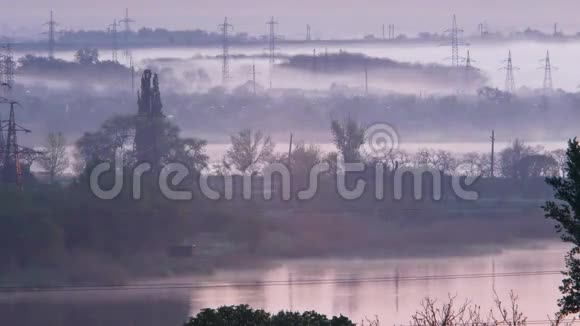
566, 212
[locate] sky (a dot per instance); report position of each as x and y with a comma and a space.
328, 18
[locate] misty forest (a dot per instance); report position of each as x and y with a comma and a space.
213, 176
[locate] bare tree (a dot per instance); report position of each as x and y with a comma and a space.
511, 317
444, 161
448, 314
55, 160
248, 149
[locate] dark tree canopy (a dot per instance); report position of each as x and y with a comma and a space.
566, 212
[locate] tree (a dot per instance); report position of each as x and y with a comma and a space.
150, 120
511, 157
444, 161
348, 138
248, 149
537, 165
474, 164
87, 56
116, 133
55, 159
566, 212
243, 315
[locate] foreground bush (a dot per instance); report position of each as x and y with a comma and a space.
243, 315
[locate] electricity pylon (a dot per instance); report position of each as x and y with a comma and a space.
127, 23
253, 74
510, 84
51, 35
272, 38
7, 70
308, 33
113, 29
455, 42
225, 28
548, 85
12, 171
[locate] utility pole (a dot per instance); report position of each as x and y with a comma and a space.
132, 74
127, 23
492, 153
510, 84
455, 42
114, 41
308, 35
366, 80
254, 77
290, 150
51, 35
225, 28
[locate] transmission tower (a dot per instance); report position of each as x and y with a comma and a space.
548, 85
113, 31
468, 65
127, 31
253, 74
225, 28
455, 42
51, 35
12, 166
510, 84
272, 37
7, 70
308, 33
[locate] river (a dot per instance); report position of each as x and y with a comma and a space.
390, 289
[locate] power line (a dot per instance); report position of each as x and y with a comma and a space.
199, 285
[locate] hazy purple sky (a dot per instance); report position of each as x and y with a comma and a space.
329, 18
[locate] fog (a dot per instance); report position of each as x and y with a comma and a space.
454, 180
